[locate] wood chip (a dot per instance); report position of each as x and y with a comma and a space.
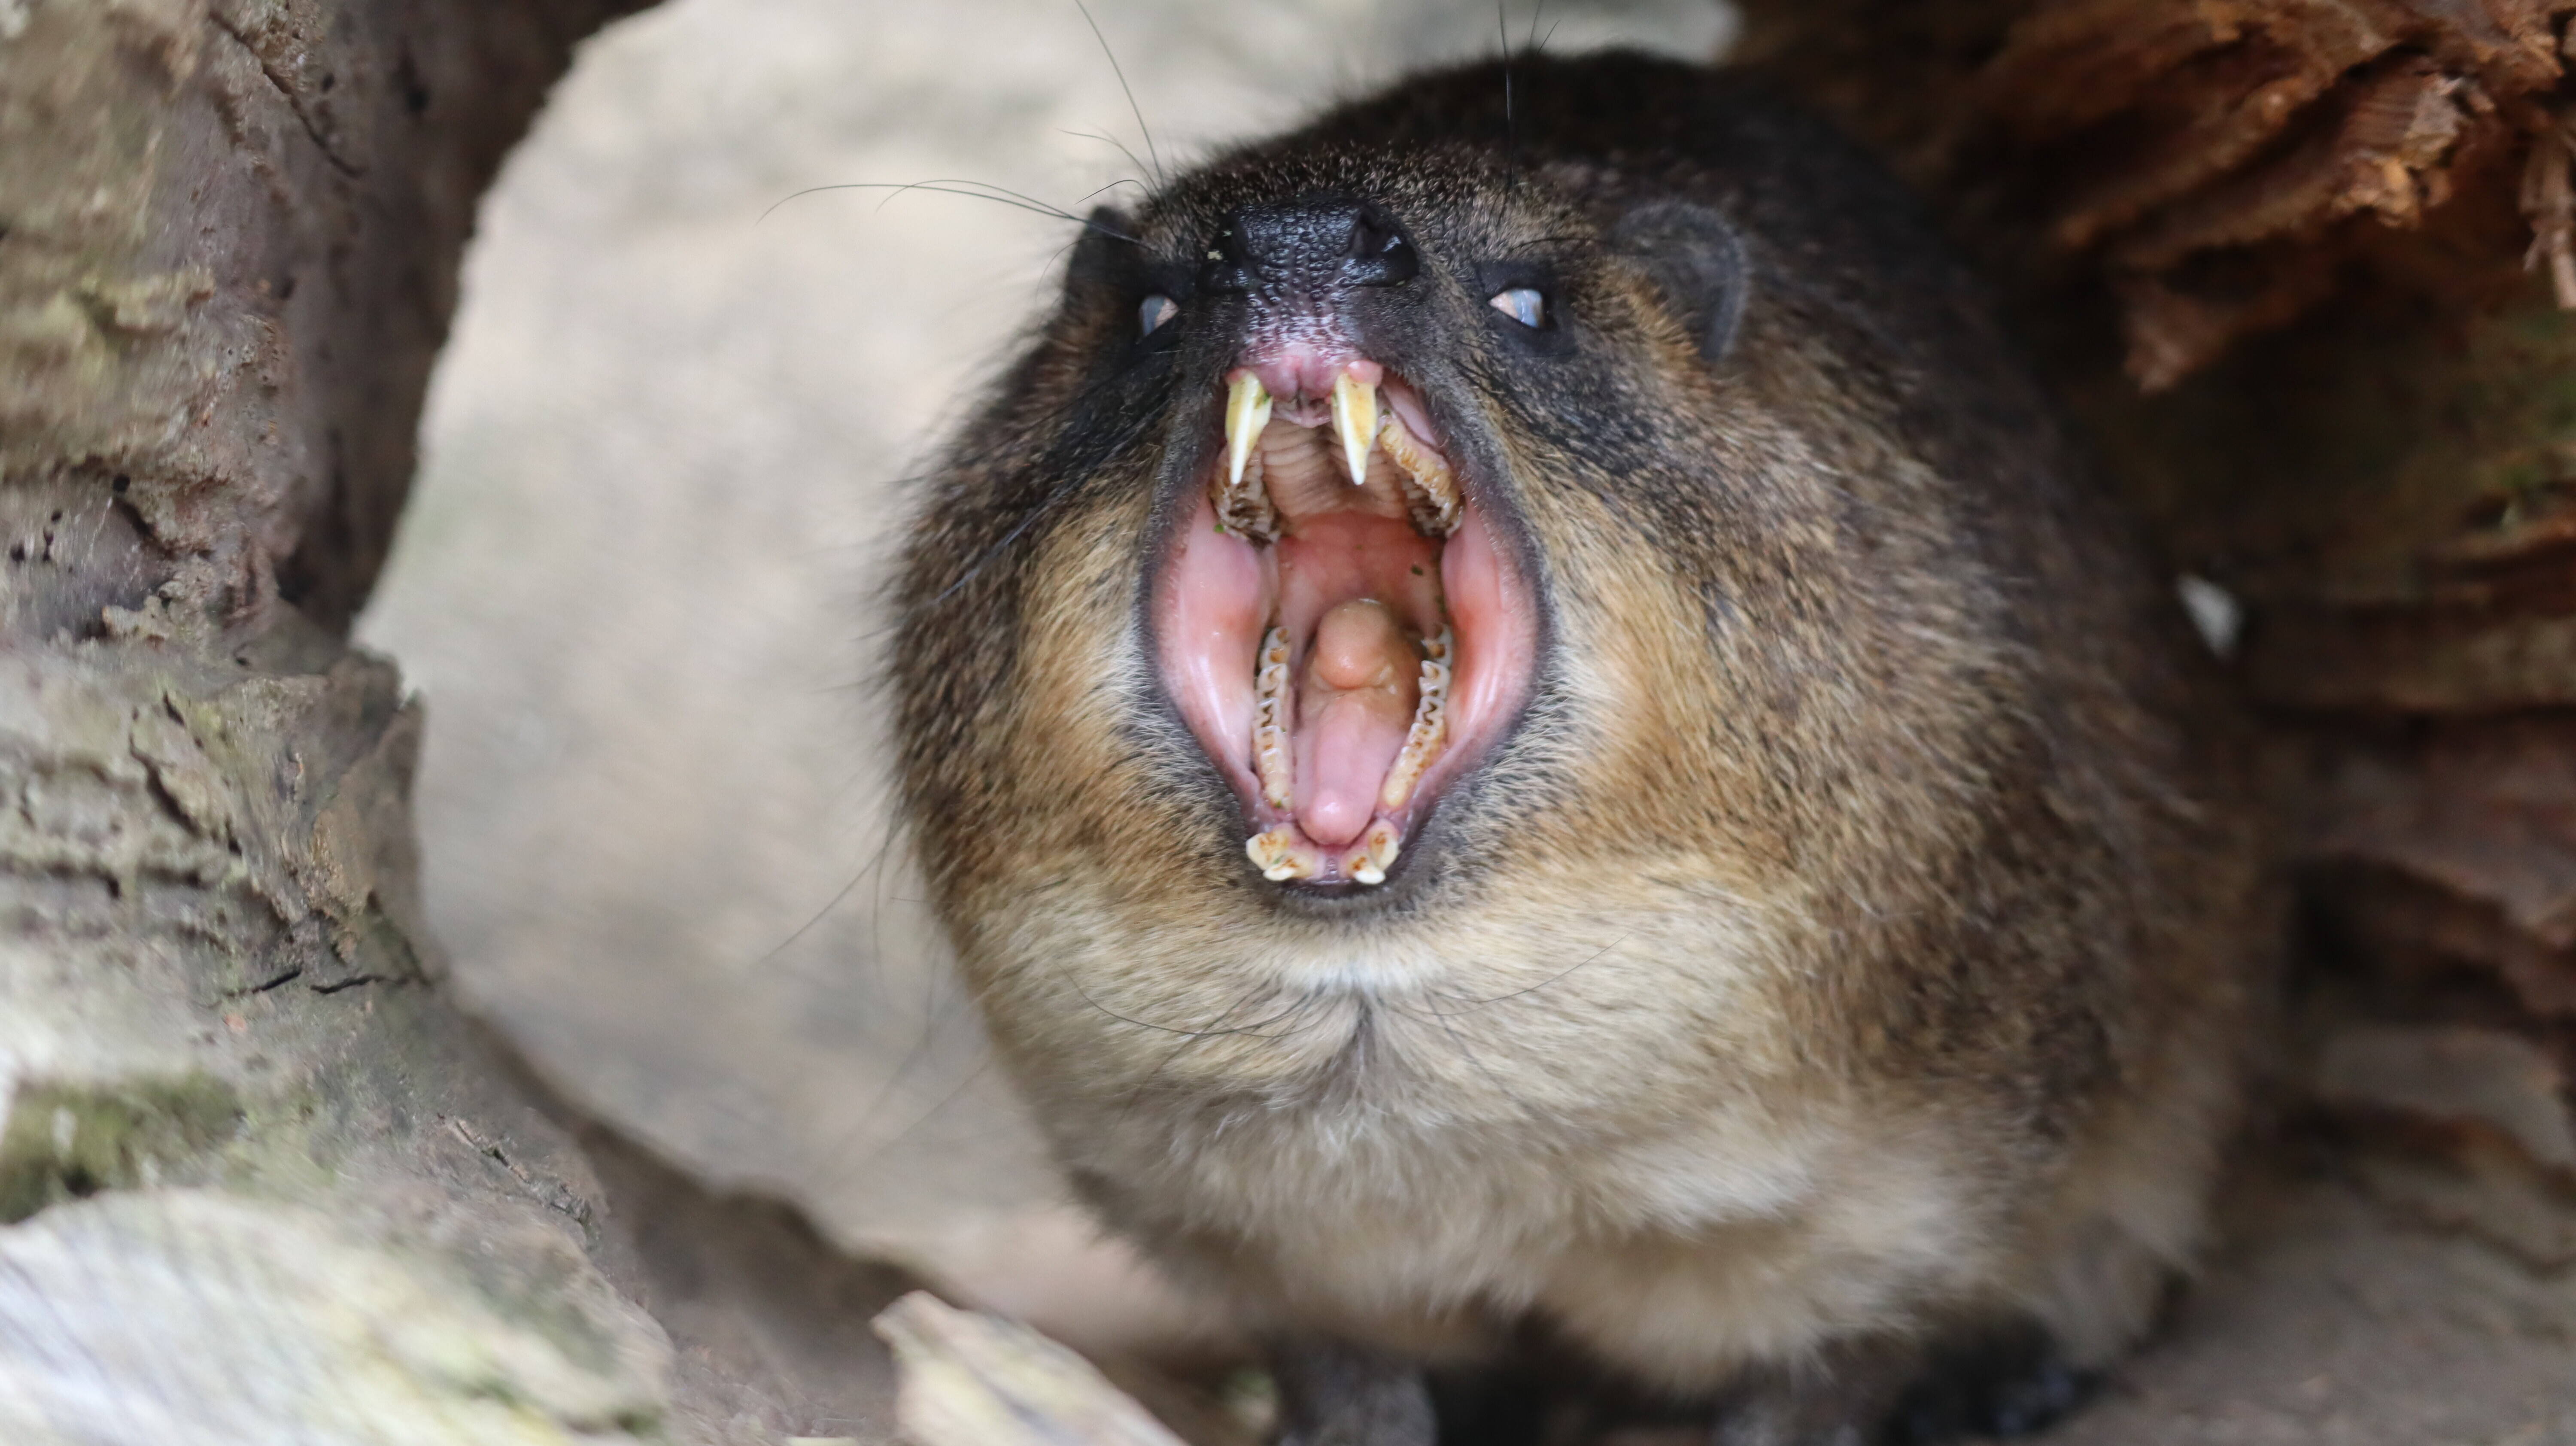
971, 1379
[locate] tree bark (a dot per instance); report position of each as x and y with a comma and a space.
259, 1183
2300, 269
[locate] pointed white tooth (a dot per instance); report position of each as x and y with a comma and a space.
1247, 411
1355, 422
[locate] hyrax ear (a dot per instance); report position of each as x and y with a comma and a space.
1696, 261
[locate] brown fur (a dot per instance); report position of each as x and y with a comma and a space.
1850, 943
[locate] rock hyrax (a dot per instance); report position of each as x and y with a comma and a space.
1530, 739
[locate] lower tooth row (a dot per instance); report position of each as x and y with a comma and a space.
1270, 755
1430, 730
1281, 853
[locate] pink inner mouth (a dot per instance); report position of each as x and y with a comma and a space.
1371, 598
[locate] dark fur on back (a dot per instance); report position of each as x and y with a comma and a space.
1849, 946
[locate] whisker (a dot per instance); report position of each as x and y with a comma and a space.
1441, 1020
1132, 158
1535, 242
819, 915
964, 1084
1208, 1032
1304, 1003
1114, 69
953, 186
991, 191
861, 1123
1060, 492
1542, 984
1114, 185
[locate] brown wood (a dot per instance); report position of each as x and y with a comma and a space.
2301, 268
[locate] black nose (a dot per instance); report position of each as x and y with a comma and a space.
1313, 244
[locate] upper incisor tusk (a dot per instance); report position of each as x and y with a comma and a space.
1247, 411
1355, 421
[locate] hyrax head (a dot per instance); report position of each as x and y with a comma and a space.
1545, 510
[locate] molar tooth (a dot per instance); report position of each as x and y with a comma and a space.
1271, 760
1247, 411
1355, 421
1281, 856
1378, 849
1431, 493
1246, 508
1430, 731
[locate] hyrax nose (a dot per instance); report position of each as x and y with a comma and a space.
1313, 246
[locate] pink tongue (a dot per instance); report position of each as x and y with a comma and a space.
1354, 706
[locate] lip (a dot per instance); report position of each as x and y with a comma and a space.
1218, 593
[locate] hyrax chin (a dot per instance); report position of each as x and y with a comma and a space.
1530, 742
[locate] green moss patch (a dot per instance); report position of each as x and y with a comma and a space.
69, 1141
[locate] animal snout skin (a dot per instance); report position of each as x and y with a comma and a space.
1311, 247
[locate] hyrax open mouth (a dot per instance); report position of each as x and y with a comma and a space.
1339, 628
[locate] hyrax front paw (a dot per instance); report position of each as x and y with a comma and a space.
2003, 1385
1337, 1395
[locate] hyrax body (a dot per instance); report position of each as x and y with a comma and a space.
1704, 854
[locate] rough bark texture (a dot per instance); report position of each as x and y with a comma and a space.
258, 1182
2280, 257
2220, 166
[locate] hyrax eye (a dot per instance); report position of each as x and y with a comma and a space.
1156, 310
1522, 304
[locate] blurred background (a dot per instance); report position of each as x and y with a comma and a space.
664, 459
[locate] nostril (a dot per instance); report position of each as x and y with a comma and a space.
1311, 244
1379, 253
1228, 265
